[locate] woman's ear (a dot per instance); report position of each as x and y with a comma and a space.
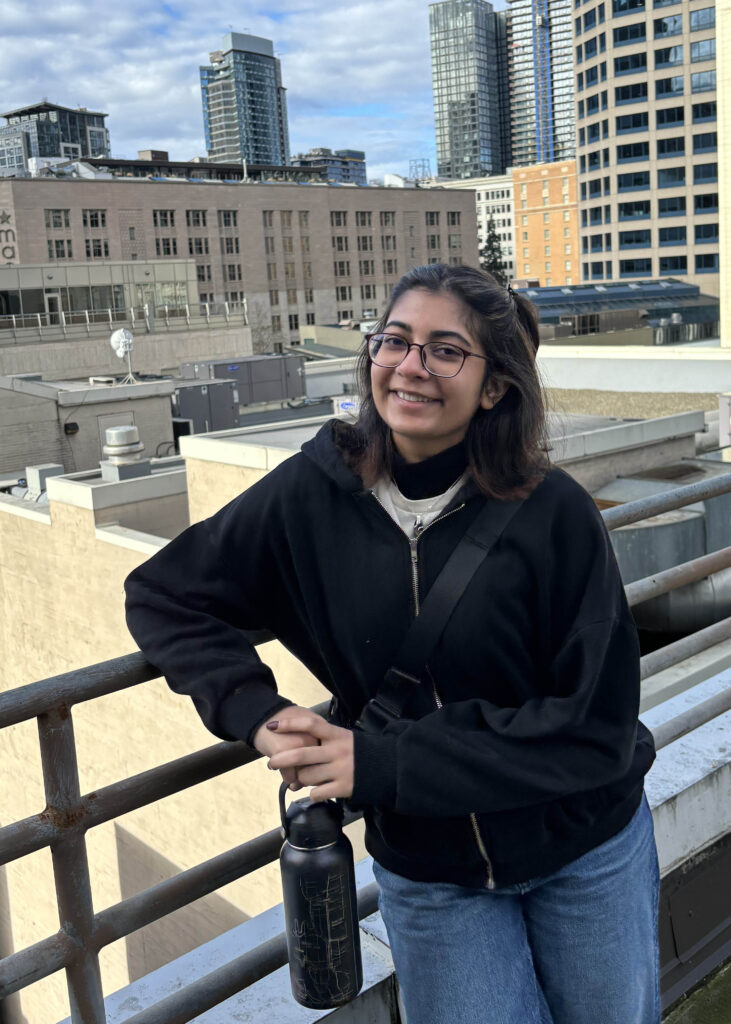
492, 392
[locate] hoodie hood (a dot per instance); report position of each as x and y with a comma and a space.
324, 451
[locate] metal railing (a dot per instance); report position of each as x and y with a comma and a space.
68, 814
59, 324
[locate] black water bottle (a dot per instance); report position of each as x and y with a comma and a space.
320, 907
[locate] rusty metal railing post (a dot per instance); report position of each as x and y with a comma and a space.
70, 864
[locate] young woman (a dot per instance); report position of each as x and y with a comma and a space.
504, 809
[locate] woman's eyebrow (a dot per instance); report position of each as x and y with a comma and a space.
433, 335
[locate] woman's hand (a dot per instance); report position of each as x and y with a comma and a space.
270, 741
328, 767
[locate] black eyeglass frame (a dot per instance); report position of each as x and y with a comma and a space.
421, 347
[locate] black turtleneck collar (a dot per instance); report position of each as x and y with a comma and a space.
431, 476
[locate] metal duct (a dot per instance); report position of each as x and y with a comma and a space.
688, 608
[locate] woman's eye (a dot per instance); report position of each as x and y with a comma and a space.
447, 352
396, 343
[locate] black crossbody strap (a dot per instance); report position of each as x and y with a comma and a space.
436, 611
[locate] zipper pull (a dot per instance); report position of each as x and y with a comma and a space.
418, 525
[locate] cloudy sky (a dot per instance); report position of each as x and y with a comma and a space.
357, 73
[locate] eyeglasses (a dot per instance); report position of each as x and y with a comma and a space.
437, 357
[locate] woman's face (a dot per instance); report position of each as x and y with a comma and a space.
429, 414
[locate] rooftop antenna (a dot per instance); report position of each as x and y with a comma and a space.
122, 341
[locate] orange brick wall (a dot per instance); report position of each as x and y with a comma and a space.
547, 223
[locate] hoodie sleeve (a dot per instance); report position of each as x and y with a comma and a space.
579, 734
189, 605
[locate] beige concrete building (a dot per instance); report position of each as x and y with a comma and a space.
546, 223
647, 140
294, 254
493, 198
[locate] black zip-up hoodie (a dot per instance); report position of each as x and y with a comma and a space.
535, 755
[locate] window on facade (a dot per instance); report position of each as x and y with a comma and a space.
58, 218
228, 218
285, 218
366, 268
292, 296
309, 318
166, 246
339, 218
433, 242
203, 272
267, 217
271, 271
703, 81
707, 142
432, 218
674, 235
704, 49
626, 34
294, 321
233, 271
273, 296
343, 293
703, 173
705, 18
706, 263
670, 177
671, 147
668, 56
635, 267
626, 123
341, 268
269, 245
309, 296
704, 111
671, 206
620, 7
388, 242
669, 86
671, 25
670, 116
363, 218
287, 244
229, 245
707, 203
633, 181
96, 248
276, 322
634, 93
195, 218
305, 243
637, 210
365, 243
160, 219
304, 218
633, 151
95, 218
340, 243
390, 266
59, 249
198, 246
289, 271
673, 264
630, 63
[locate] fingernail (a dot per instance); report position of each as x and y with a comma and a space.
272, 725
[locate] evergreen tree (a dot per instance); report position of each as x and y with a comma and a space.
491, 254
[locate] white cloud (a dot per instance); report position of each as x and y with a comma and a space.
357, 74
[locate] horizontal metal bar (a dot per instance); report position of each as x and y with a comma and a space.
212, 989
40, 830
671, 654
678, 576
644, 508
29, 965
691, 719
81, 684
26, 702
166, 897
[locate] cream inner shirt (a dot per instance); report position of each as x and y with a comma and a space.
413, 515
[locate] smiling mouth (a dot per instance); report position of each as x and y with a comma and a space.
410, 396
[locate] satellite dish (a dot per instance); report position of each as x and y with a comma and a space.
122, 341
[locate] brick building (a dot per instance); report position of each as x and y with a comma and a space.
546, 223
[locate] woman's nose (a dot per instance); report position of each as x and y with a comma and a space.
411, 364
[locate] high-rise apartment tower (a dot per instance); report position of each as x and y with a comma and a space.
244, 103
470, 81
541, 86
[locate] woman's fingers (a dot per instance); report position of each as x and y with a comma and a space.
296, 757
307, 722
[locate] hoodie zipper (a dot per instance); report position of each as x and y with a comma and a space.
413, 545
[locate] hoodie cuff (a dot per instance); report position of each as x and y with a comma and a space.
245, 710
375, 770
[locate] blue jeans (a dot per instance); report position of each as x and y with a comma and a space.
576, 947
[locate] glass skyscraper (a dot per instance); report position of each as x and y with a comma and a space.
47, 130
470, 82
541, 81
244, 103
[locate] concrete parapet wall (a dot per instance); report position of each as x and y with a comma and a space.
153, 353
619, 368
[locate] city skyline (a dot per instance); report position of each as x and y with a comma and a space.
140, 64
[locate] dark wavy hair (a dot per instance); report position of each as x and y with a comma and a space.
506, 445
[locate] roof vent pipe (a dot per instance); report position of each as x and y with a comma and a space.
123, 449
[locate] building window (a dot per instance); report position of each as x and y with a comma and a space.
706, 203
672, 236
703, 81
390, 266
59, 218
706, 263
287, 244
267, 217
340, 243
304, 218
166, 246
705, 143
453, 219
704, 111
630, 151
673, 264
671, 147
634, 181
228, 218
363, 219
671, 25
669, 86
276, 322
289, 271
704, 49
703, 173
161, 218
455, 241
705, 18
195, 218
432, 219
59, 249
271, 271
388, 218
635, 267
273, 297
634, 93
367, 291
627, 123
367, 267
339, 218
669, 56
94, 218
433, 242
285, 218
341, 268
233, 271
229, 245
198, 246
670, 116
388, 243
269, 245
670, 177
309, 296
97, 248
294, 321
365, 243
309, 318
305, 243
307, 270
343, 293
203, 272
630, 63
671, 206
291, 296
627, 34
638, 210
